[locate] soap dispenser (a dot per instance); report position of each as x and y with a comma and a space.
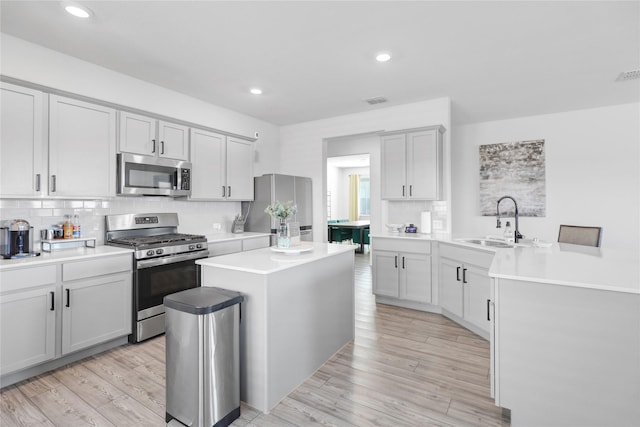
508, 233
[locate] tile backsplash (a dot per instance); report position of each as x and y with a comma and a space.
195, 217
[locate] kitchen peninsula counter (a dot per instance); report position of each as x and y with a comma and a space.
298, 311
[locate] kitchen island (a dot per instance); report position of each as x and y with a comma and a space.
566, 337
298, 311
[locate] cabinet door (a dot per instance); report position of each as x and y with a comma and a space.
423, 165
450, 290
239, 169
138, 134
22, 142
82, 148
28, 325
415, 277
174, 141
393, 167
477, 291
95, 310
385, 274
208, 165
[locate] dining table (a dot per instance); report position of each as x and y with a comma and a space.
359, 225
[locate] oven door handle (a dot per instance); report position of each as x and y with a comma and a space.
154, 262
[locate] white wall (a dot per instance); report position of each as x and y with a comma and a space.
36, 64
304, 149
592, 172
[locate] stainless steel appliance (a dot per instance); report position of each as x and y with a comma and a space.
271, 187
140, 175
16, 240
164, 263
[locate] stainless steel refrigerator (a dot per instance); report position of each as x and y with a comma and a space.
283, 188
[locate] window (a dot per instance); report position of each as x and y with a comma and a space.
364, 196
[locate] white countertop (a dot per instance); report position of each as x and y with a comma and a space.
71, 254
403, 235
570, 265
226, 237
561, 264
266, 261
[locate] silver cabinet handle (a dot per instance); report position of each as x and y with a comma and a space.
53, 183
224, 191
68, 297
410, 190
229, 192
153, 147
161, 147
403, 194
53, 301
37, 182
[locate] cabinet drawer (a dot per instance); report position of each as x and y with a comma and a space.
256, 243
223, 248
27, 277
465, 255
401, 245
96, 267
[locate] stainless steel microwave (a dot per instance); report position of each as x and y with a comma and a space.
140, 175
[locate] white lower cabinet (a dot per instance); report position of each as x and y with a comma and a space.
28, 327
40, 311
402, 269
95, 311
464, 286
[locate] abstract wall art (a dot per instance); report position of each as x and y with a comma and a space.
515, 169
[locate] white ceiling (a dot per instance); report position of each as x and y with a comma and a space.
314, 59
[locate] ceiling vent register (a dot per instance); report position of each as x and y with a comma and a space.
376, 100
629, 75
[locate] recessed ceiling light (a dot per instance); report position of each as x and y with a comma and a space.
383, 57
77, 10
256, 91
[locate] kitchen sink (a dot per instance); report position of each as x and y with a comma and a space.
488, 242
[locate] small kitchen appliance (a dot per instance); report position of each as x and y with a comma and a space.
17, 240
164, 263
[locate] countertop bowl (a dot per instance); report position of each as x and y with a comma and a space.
395, 228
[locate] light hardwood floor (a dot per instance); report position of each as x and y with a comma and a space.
404, 368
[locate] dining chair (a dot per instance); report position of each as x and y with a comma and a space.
579, 235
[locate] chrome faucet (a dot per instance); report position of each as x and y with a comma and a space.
516, 234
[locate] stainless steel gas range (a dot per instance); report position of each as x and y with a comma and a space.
164, 263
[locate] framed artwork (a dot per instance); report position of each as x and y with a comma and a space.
515, 169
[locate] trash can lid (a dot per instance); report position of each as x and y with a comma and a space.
202, 300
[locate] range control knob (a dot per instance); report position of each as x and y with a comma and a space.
159, 251
199, 246
192, 247
150, 252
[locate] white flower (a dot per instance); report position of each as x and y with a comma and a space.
280, 211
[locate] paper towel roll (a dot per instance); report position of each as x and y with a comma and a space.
425, 222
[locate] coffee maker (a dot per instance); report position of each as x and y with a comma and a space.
17, 240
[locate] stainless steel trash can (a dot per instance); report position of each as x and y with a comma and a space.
202, 349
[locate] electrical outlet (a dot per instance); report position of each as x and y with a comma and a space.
217, 226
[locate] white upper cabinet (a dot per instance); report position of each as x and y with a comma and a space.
138, 134
208, 168
82, 147
174, 141
148, 136
23, 142
412, 164
222, 167
239, 169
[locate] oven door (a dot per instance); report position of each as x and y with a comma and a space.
159, 277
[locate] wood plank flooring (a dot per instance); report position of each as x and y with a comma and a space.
404, 368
